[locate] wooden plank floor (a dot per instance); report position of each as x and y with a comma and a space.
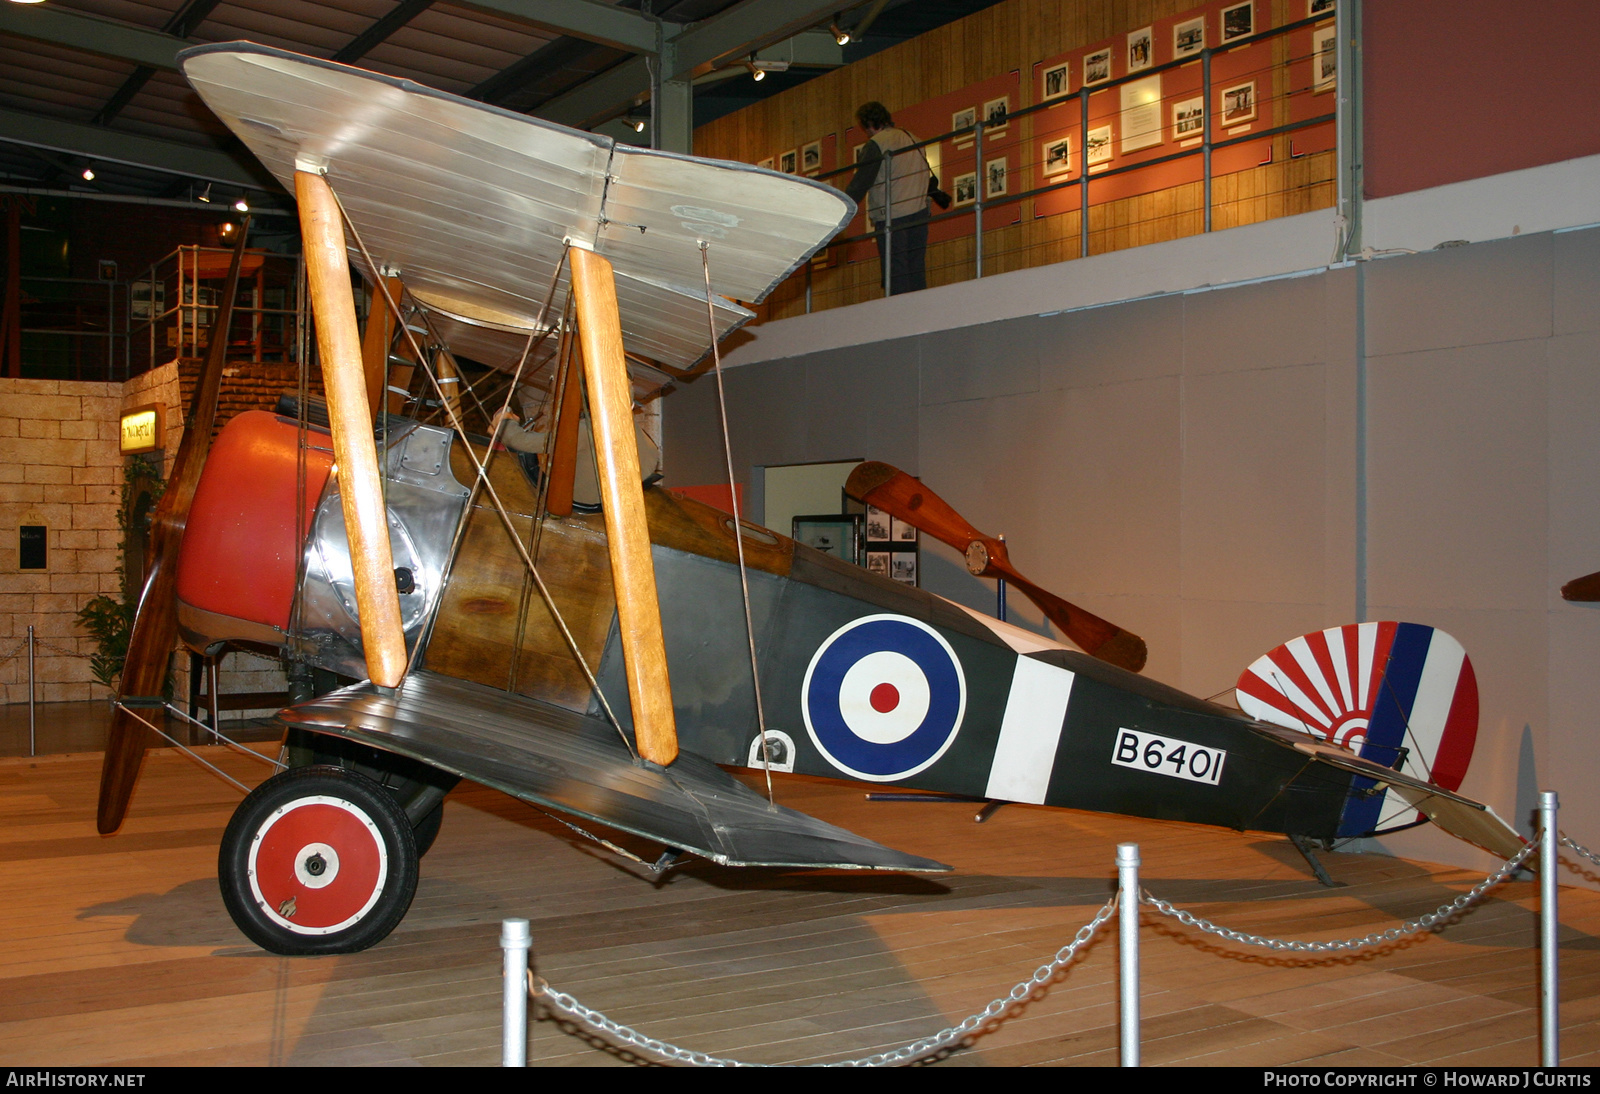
117, 951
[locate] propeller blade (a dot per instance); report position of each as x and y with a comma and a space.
155, 625
1583, 589
898, 494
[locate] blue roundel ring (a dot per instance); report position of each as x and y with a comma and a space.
883, 697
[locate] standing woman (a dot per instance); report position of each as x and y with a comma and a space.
896, 184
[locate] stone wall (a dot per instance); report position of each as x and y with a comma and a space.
59, 467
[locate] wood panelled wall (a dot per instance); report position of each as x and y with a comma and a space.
1014, 34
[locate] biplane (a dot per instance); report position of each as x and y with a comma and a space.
610, 665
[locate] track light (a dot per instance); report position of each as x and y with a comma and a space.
242, 205
840, 36
88, 174
205, 195
759, 69
637, 123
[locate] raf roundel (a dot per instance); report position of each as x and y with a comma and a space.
883, 697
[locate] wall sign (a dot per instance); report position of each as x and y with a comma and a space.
142, 429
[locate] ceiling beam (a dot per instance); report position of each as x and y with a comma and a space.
96, 143
91, 34
604, 24
744, 29
363, 43
620, 87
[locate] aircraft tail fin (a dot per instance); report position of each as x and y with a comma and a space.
1401, 696
1460, 816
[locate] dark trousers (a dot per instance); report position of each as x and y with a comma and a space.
908, 247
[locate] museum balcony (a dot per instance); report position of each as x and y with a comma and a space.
1111, 155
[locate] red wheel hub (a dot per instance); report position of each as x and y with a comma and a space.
317, 865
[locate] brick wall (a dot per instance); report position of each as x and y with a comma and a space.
60, 467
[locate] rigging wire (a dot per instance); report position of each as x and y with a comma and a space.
483, 475
738, 523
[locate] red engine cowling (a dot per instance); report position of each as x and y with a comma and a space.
236, 572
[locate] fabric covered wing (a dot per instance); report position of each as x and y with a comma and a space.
474, 204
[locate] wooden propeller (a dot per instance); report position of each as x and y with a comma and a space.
897, 493
155, 625
1582, 589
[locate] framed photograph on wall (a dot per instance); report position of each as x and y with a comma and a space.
1097, 146
1238, 21
964, 119
994, 173
766, 163
1238, 104
1141, 114
965, 188
1054, 82
903, 532
903, 567
1141, 49
1189, 37
878, 563
811, 158
835, 534
878, 524
995, 113
1056, 156
788, 161
1189, 119
1324, 59
1318, 7
1097, 66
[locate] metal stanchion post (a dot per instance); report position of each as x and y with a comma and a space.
32, 735
1000, 594
1549, 928
1128, 883
515, 941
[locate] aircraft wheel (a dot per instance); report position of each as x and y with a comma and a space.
403, 778
318, 860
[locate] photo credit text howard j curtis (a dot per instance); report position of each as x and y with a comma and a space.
1452, 1078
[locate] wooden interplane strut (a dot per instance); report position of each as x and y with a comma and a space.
644, 651
360, 486
155, 626
375, 343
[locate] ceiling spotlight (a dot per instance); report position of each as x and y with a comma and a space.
205, 195
27, 1
759, 69
242, 205
227, 229
840, 36
637, 123
88, 174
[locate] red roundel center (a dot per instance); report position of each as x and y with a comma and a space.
885, 697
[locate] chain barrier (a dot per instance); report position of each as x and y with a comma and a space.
1443, 913
905, 1054
51, 646
22, 644
1568, 841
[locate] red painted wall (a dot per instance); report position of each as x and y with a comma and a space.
1461, 89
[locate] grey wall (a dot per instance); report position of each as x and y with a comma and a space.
1189, 467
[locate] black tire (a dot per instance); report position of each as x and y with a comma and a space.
426, 830
318, 860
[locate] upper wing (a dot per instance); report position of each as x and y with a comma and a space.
473, 205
